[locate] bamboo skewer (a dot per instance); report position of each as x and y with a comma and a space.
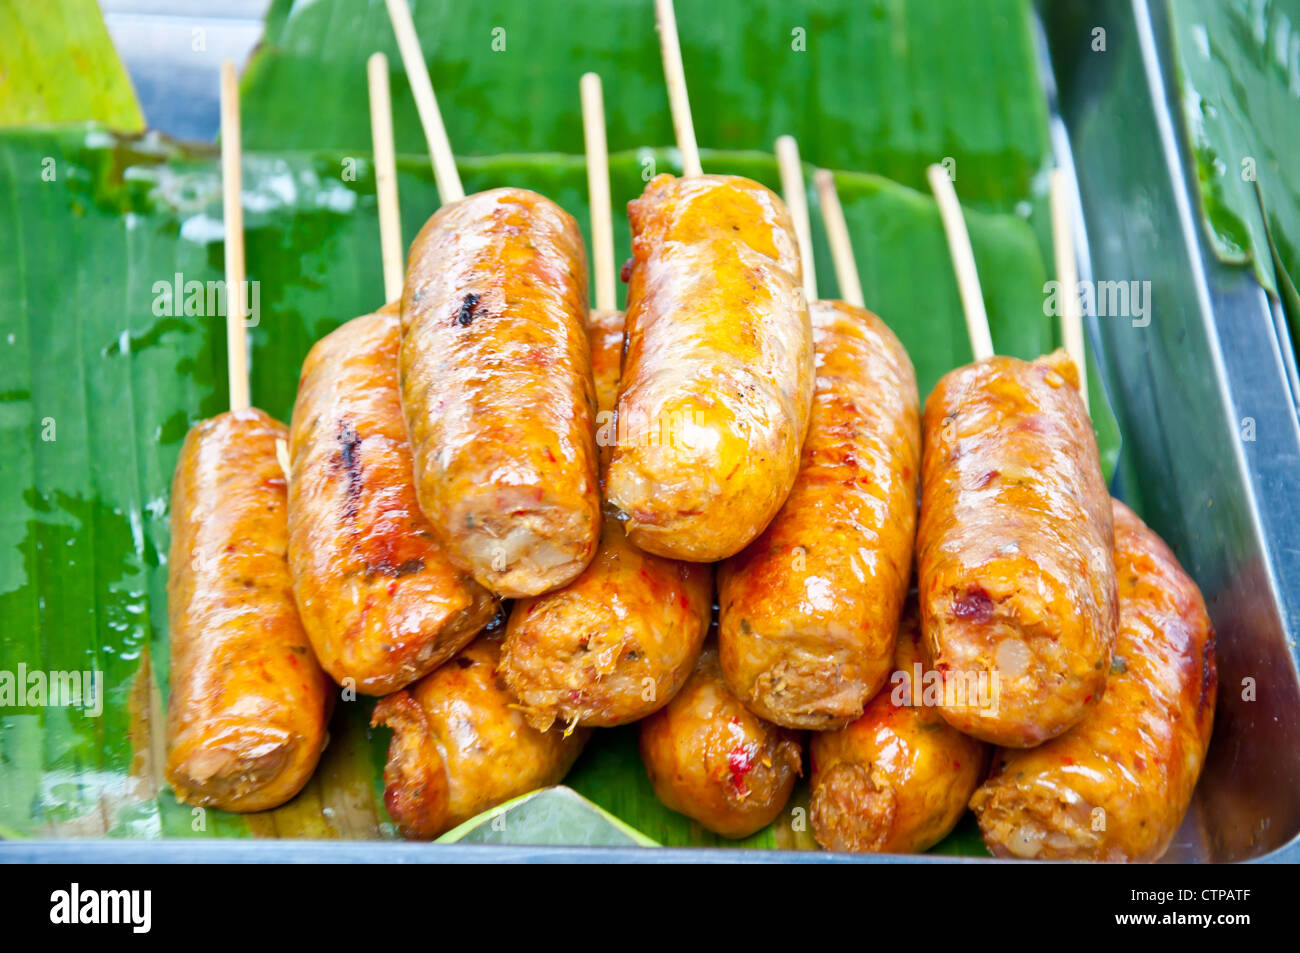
963, 260
977, 322
232, 213
837, 236
602, 225
417, 74
1067, 275
796, 200
381, 136
675, 77
282, 458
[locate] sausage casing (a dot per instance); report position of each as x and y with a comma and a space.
1015, 550
896, 780
717, 379
1115, 787
605, 336
712, 759
619, 641
380, 601
248, 704
497, 390
810, 609
460, 745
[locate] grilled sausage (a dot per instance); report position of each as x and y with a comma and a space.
460, 746
605, 338
717, 379
381, 603
809, 610
1115, 787
497, 391
619, 641
246, 716
1015, 550
712, 759
895, 781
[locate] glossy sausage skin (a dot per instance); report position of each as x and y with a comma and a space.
1015, 549
809, 610
248, 704
712, 759
895, 781
460, 746
605, 336
717, 379
619, 641
497, 390
381, 602
1115, 787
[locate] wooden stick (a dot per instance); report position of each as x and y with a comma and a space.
390, 212
602, 224
963, 260
232, 213
796, 199
417, 74
675, 77
282, 457
837, 236
1067, 275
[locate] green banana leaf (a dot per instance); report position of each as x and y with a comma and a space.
99, 384
57, 64
556, 816
883, 86
1239, 71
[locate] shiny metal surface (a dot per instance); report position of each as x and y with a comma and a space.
173, 51
1204, 392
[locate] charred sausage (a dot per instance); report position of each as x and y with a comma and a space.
712, 759
1015, 550
380, 601
809, 610
248, 704
717, 379
460, 745
619, 641
497, 390
1115, 787
896, 780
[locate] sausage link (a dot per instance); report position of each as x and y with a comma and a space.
248, 704
380, 601
896, 780
1015, 550
809, 610
620, 640
497, 391
717, 379
712, 759
605, 338
1115, 787
460, 746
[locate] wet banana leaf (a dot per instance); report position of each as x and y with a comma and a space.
107, 364
57, 64
883, 86
1239, 72
555, 816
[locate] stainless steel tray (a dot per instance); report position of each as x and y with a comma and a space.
1214, 354
1212, 368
